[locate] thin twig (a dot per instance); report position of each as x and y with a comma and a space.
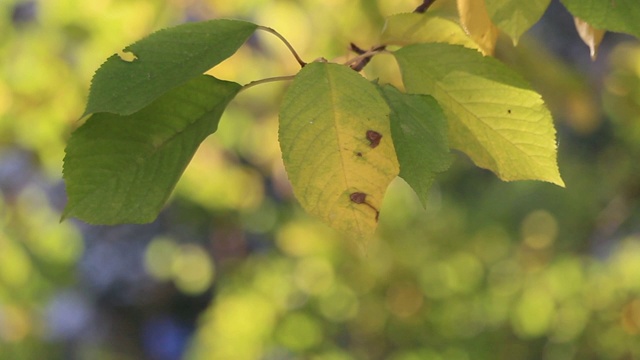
277, 34
364, 57
358, 66
358, 62
356, 49
424, 6
267, 80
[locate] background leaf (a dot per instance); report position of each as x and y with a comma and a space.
514, 17
419, 130
476, 22
494, 116
613, 15
325, 118
162, 61
590, 35
122, 169
432, 26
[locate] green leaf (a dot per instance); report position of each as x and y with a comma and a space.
419, 131
494, 115
412, 28
514, 17
122, 169
613, 15
338, 167
166, 59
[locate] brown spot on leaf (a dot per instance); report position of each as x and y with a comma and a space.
509, 111
374, 138
361, 198
359, 154
358, 197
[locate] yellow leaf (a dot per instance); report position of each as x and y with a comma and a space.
590, 35
494, 116
336, 146
476, 22
412, 28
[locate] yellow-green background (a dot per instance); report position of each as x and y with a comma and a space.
233, 269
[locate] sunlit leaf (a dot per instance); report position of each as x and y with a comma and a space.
590, 35
337, 147
476, 22
514, 17
145, 70
419, 130
411, 28
494, 116
122, 169
612, 15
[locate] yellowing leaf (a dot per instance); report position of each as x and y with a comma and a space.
590, 35
337, 147
476, 22
494, 116
411, 28
514, 17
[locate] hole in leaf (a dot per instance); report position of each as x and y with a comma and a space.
127, 56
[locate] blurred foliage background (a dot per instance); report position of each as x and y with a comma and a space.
233, 269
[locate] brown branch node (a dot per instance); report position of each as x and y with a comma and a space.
365, 56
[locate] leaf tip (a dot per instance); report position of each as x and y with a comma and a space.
423, 198
86, 113
67, 212
559, 181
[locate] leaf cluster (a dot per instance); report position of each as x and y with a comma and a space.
343, 137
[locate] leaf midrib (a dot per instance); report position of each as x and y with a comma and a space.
334, 104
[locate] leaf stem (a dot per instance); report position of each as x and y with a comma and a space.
267, 80
282, 38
